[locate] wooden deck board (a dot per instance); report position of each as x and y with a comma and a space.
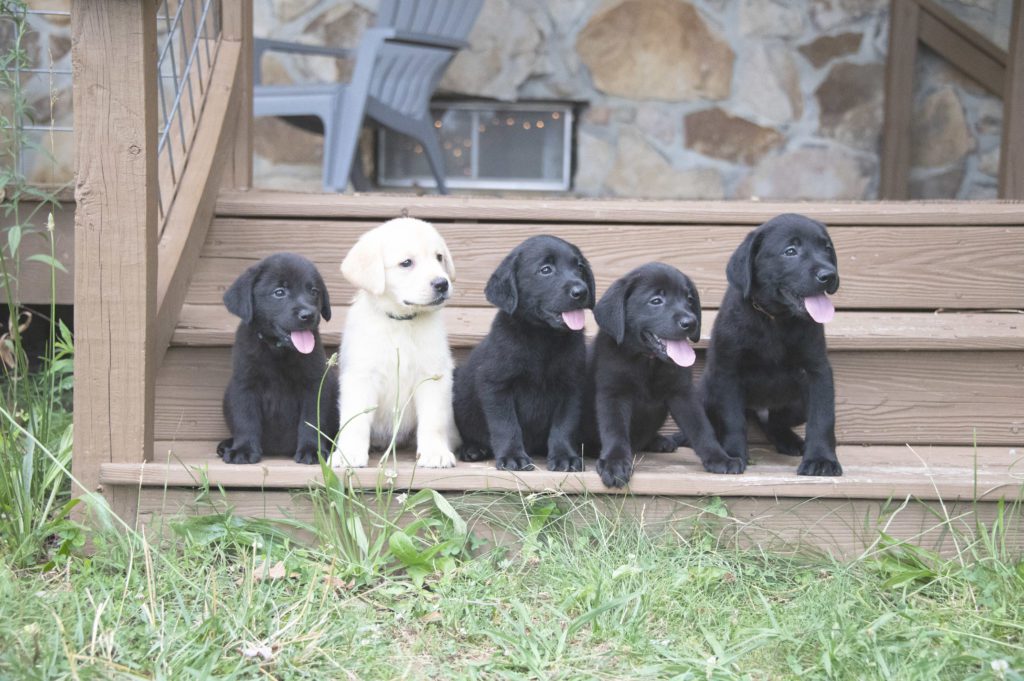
869, 473
882, 397
881, 267
474, 208
213, 326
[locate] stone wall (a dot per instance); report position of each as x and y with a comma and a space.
681, 98
694, 98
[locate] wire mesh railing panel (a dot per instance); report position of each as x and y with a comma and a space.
188, 35
36, 137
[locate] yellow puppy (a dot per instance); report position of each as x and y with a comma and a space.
395, 346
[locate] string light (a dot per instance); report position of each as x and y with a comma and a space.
540, 124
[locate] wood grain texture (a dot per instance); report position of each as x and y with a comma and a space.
214, 326
880, 267
899, 81
189, 218
1011, 158
843, 528
881, 397
678, 473
114, 59
237, 27
378, 206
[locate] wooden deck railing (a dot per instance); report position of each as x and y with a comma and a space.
150, 164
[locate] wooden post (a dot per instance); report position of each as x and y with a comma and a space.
899, 98
114, 62
237, 26
1011, 154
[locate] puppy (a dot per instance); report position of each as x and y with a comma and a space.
278, 362
520, 394
638, 371
767, 355
396, 367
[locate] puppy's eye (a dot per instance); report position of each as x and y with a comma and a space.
582, 267
790, 251
315, 292
547, 269
440, 258
280, 292
405, 263
689, 298
656, 300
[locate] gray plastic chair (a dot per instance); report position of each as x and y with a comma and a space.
398, 65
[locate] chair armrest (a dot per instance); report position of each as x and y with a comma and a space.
261, 45
392, 35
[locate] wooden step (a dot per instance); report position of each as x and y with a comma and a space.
213, 326
878, 472
882, 397
881, 266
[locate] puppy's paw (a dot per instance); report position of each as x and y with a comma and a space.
820, 465
241, 453
615, 471
723, 464
223, 446
787, 442
307, 454
340, 459
663, 444
514, 461
565, 462
474, 453
435, 457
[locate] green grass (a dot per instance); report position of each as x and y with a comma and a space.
592, 598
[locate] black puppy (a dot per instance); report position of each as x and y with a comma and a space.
277, 364
767, 355
638, 372
520, 393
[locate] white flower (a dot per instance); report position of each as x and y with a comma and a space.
401, 498
1000, 667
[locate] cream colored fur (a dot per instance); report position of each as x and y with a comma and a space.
396, 368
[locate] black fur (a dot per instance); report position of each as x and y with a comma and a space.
272, 394
520, 394
767, 357
633, 384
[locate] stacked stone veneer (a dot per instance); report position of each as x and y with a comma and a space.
679, 98
694, 98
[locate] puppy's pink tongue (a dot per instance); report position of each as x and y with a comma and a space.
820, 308
303, 341
680, 352
573, 319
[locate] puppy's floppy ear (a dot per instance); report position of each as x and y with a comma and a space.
363, 267
740, 270
832, 257
238, 298
501, 290
588, 277
695, 336
325, 299
610, 311
449, 263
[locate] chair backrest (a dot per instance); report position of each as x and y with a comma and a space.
406, 75
451, 19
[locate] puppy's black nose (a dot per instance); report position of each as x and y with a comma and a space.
440, 284
577, 291
306, 314
826, 278
687, 323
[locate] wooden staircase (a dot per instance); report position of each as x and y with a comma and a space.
927, 348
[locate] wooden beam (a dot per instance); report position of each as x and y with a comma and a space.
115, 103
238, 28
904, 16
1011, 159
189, 220
480, 209
961, 46
878, 472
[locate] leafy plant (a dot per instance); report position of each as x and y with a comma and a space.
35, 422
